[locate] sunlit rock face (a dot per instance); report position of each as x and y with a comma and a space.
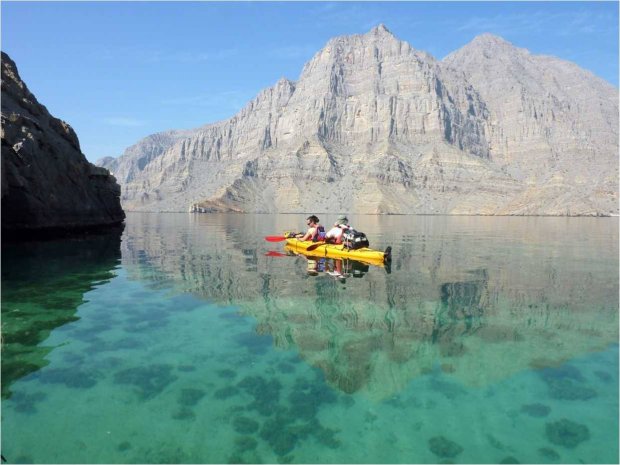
373, 125
551, 125
47, 183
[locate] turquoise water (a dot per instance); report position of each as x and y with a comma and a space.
488, 340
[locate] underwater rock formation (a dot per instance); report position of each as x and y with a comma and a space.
567, 433
444, 447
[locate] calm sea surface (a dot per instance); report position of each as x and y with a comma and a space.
489, 340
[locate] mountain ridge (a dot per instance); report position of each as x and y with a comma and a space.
374, 126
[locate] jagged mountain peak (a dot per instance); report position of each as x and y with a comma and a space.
381, 29
469, 134
490, 47
374, 46
489, 39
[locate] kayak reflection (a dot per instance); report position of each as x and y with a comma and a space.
337, 268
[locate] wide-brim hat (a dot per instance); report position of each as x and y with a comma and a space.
342, 220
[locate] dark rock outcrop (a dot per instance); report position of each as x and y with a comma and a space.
48, 186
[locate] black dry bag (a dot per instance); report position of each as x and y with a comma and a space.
353, 239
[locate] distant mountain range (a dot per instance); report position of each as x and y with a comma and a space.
376, 126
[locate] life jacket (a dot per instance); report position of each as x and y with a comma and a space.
319, 234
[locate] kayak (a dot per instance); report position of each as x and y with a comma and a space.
320, 249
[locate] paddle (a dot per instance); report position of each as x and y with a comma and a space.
273, 253
287, 235
314, 246
283, 238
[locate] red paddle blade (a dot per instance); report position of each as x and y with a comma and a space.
275, 238
273, 253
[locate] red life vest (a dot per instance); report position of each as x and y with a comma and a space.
319, 234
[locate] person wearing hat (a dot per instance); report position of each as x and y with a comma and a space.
334, 235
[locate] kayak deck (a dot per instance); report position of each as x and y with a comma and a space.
320, 249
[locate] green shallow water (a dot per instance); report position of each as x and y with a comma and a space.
489, 340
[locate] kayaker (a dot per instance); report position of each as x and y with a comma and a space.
315, 232
334, 235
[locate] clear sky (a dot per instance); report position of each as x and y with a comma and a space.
119, 71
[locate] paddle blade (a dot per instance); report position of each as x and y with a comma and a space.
314, 246
273, 253
275, 238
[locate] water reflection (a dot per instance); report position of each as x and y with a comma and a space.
43, 284
479, 298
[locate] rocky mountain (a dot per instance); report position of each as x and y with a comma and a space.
552, 126
47, 183
374, 126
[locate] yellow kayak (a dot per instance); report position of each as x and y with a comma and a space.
320, 249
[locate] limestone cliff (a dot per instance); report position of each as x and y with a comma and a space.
374, 126
47, 183
551, 125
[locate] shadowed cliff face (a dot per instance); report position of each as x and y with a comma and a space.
47, 183
375, 126
43, 285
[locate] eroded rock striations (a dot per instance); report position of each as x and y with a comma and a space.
47, 183
375, 126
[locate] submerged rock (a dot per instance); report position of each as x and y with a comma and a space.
536, 410
149, 380
567, 433
549, 454
567, 383
190, 396
245, 425
444, 447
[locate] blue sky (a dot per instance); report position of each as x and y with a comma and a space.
119, 71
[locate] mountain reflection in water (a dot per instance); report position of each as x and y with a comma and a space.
480, 298
191, 339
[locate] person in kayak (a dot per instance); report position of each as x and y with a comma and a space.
315, 232
334, 235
